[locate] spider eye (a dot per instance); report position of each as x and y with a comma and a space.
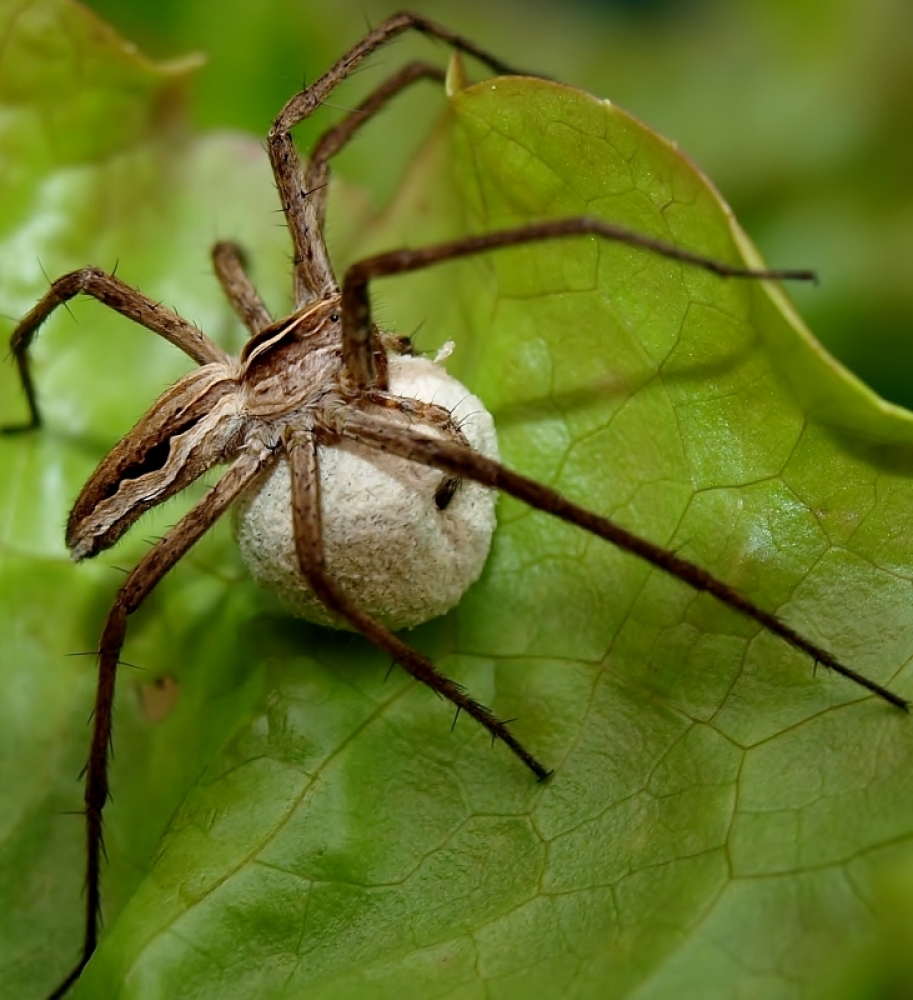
334, 317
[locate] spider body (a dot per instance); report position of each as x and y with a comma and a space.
318, 379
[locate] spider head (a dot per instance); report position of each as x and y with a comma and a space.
315, 325
293, 362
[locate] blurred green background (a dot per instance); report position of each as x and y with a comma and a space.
801, 111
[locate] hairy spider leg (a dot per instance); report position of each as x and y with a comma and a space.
428, 414
356, 309
335, 138
228, 261
139, 584
455, 458
459, 460
119, 296
313, 273
302, 452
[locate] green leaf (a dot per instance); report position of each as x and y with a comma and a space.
286, 823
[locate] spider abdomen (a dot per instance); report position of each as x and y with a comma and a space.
389, 542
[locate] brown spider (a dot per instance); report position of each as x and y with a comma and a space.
313, 380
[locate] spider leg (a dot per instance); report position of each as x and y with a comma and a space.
356, 308
139, 584
313, 273
455, 458
426, 413
302, 452
418, 410
334, 139
229, 264
119, 296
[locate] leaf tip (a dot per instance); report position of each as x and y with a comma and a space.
456, 79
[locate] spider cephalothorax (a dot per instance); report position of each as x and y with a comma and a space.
322, 378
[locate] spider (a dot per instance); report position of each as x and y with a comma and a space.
315, 380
